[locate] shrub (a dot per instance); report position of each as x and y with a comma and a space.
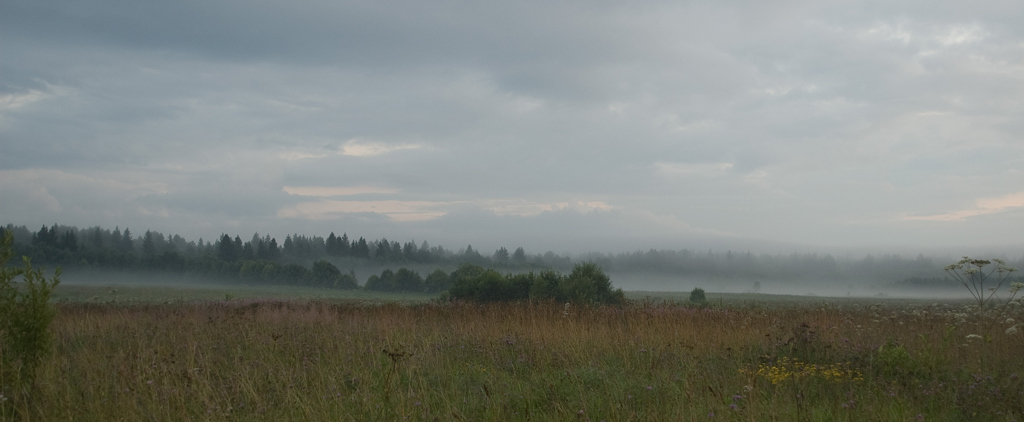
325, 274
586, 284
546, 287
25, 316
407, 280
437, 281
697, 296
589, 284
347, 281
383, 283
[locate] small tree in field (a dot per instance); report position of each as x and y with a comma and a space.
697, 296
981, 283
25, 316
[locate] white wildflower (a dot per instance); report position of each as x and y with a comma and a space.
1011, 331
973, 337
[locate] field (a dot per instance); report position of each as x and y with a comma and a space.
149, 354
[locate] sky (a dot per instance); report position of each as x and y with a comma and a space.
554, 125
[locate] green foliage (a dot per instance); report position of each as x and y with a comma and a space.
347, 281
326, 274
437, 281
25, 317
547, 286
894, 361
589, 284
404, 280
383, 283
586, 284
697, 296
407, 280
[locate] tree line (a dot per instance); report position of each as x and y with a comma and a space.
233, 258
116, 249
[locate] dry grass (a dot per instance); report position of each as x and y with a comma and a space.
308, 360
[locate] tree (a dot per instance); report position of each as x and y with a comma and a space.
697, 296
331, 245
248, 253
148, 244
273, 252
238, 247
588, 283
69, 241
409, 250
288, 249
383, 250
361, 249
547, 286
519, 256
383, 283
127, 244
437, 281
226, 249
344, 248
115, 238
501, 255
97, 238
407, 280
325, 274
347, 281
471, 255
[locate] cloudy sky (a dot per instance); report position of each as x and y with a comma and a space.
564, 125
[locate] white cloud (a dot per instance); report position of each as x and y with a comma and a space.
298, 155
360, 148
394, 209
983, 206
524, 207
328, 191
890, 32
15, 101
693, 169
961, 34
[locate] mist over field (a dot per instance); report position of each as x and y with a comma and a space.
103, 257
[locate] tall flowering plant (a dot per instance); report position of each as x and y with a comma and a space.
983, 283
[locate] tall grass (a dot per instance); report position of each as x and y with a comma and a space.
309, 360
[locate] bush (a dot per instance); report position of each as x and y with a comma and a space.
407, 280
325, 274
25, 316
347, 281
586, 284
383, 283
437, 281
697, 296
589, 284
546, 287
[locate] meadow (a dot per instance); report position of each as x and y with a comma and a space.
119, 356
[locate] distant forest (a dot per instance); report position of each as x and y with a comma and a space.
314, 260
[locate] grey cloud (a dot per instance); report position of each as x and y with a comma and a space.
822, 126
